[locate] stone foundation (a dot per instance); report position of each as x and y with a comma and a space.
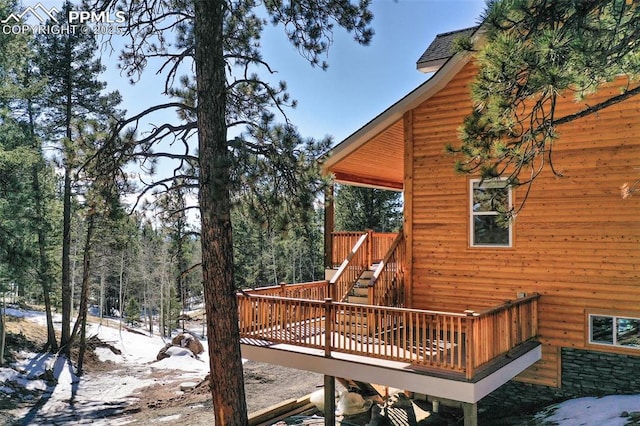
590, 373
584, 373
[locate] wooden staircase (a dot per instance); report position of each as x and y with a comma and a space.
359, 293
371, 267
369, 275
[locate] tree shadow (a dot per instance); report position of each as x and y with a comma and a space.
62, 393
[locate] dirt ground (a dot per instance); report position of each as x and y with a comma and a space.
164, 402
265, 385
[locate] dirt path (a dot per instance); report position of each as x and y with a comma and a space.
265, 385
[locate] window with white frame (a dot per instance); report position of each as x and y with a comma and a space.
490, 199
614, 330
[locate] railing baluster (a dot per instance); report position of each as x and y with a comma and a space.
450, 341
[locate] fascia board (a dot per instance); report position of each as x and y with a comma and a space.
396, 111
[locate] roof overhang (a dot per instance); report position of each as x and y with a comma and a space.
380, 126
431, 66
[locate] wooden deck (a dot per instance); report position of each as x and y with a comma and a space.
460, 345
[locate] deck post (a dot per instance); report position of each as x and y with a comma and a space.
469, 343
329, 400
328, 326
332, 290
470, 411
369, 248
328, 226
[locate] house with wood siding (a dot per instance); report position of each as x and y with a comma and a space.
546, 308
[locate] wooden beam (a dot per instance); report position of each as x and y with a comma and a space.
368, 181
280, 411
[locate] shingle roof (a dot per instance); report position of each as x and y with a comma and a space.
441, 49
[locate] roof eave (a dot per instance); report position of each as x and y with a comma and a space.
396, 111
431, 66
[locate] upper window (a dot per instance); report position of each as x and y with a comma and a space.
490, 199
614, 330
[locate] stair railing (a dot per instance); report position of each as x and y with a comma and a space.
351, 269
342, 243
386, 287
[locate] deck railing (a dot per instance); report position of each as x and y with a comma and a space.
352, 267
378, 244
386, 287
315, 290
356, 252
497, 330
455, 342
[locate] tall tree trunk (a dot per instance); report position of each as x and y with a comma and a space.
43, 264
274, 265
226, 379
147, 306
66, 265
73, 276
102, 280
44, 275
120, 289
161, 318
3, 327
84, 297
67, 293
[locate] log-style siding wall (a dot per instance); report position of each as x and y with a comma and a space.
577, 242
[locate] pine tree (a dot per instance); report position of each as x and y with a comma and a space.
132, 311
174, 217
360, 209
20, 91
100, 183
222, 39
73, 93
17, 248
534, 53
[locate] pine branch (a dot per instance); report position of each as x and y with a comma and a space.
597, 107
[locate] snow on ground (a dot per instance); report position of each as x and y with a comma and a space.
96, 393
593, 411
105, 393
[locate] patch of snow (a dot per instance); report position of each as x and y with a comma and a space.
101, 394
176, 351
20, 313
6, 390
593, 411
105, 354
184, 363
169, 418
7, 374
94, 394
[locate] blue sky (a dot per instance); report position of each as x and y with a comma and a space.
361, 81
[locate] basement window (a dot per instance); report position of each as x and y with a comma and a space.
489, 199
621, 331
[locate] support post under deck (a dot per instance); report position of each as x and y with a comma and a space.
329, 400
470, 412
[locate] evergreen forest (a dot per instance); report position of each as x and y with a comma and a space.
90, 225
